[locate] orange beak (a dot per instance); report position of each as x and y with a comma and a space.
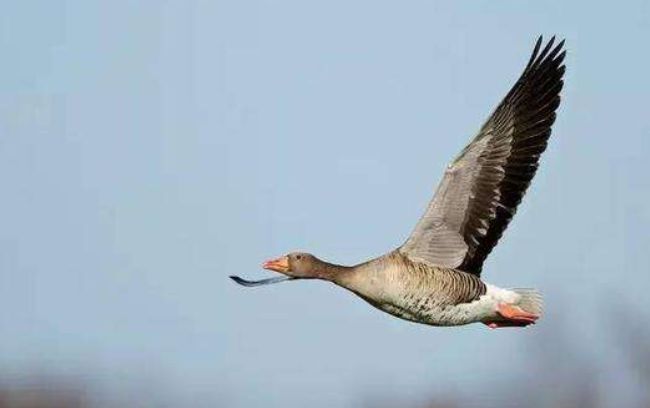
278, 265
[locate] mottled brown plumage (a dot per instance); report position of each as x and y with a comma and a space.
411, 290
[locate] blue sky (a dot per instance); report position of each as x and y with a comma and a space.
150, 149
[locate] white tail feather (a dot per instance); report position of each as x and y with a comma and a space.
530, 300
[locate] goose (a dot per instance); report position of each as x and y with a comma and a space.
434, 278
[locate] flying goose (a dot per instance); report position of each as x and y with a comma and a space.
434, 278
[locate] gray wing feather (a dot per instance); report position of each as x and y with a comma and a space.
481, 189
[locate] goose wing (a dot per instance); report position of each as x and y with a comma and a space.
483, 186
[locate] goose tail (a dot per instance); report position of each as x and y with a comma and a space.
530, 300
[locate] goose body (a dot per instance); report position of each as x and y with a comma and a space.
416, 291
434, 278
428, 294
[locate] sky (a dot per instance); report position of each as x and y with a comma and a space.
150, 149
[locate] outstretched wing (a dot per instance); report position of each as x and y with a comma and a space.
482, 187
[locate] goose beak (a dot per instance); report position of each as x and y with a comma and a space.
278, 265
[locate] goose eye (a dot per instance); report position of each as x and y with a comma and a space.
299, 257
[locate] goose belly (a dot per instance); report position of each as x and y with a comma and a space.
431, 296
423, 294
429, 307
426, 310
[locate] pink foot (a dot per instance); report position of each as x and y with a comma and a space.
516, 314
513, 316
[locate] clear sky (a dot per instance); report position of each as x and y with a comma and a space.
150, 149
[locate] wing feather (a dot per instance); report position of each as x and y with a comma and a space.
482, 187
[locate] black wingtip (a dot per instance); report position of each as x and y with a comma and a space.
549, 51
533, 56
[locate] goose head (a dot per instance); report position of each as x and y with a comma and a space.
296, 265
